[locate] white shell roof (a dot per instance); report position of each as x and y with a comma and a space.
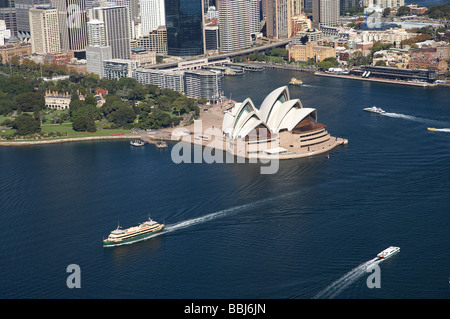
274, 114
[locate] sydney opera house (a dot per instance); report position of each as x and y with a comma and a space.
279, 127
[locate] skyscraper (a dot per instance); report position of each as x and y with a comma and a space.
96, 32
234, 26
8, 14
152, 15
22, 7
325, 13
117, 29
184, 22
278, 18
72, 24
44, 27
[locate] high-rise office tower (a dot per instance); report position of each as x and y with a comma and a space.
117, 29
8, 14
234, 26
278, 18
72, 24
96, 32
152, 15
44, 28
254, 15
184, 22
325, 13
22, 7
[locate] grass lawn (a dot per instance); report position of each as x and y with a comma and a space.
67, 132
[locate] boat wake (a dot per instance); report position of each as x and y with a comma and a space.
413, 118
442, 130
342, 283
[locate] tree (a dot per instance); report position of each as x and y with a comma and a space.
84, 122
402, 11
25, 125
30, 101
380, 63
386, 12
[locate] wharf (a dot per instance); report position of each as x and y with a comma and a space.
389, 81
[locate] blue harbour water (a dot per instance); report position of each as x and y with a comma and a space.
305, 232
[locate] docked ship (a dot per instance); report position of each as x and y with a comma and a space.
375, 109
133, 234
295, 81
388, 252
137, 143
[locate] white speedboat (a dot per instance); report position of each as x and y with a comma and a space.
375, 109
388, 252
137, 143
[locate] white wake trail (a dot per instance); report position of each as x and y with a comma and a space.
342, 283
413, 118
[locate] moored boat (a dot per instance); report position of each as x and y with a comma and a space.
133, 234
137, 143
375, 109
388, 252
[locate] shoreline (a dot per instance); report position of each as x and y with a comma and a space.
66, 140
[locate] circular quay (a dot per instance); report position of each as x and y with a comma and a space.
224, 158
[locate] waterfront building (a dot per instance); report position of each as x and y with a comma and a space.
203, 84
155, 41
72, 19
119, 68
304, 52
279, 126
152, 15
117, 29
234, 26
95, 55
420, 75
44, 28
325, 13
164, 79
184, 22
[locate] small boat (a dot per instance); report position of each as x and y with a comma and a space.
133, 234
161, 144
388, 252
295, 81
137, 143
431, 129
375, 109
